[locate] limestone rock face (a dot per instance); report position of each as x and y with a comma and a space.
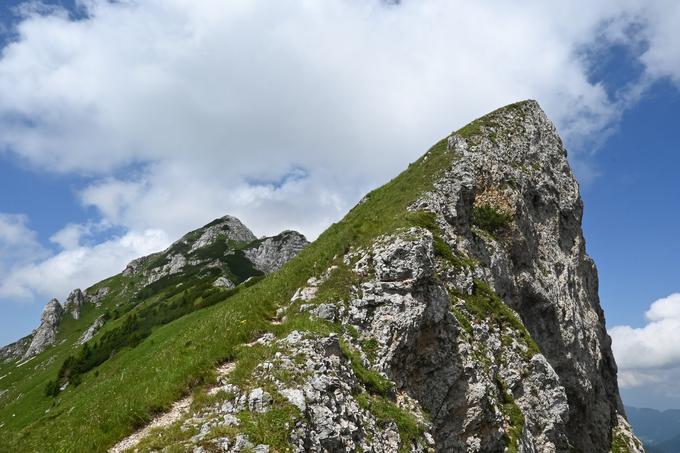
92, 330
45, 335
99, 296
536, 262
74, 303
16, 350
269, 254
488, 316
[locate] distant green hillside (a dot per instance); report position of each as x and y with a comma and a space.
158, 341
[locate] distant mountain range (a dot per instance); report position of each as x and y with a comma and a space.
658, 430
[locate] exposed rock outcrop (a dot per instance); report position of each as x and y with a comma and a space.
227, 227
99, 295
16, 350
46, 334
135, 266
74, 303
92, 330
317, 378
269, 254
486, 317
223, 282
511, 203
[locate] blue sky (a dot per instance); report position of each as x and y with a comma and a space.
125, 124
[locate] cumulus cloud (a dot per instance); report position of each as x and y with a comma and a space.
207, 97
650, 354
29, 270
77, 265
18, 243
285, 113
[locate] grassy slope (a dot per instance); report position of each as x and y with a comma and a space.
124, 392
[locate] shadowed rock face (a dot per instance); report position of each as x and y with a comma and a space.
46, 334
515, 165
484, 315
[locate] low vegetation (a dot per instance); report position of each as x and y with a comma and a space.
490, 219
125, 391
484, 304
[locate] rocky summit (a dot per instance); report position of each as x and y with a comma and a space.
454, 309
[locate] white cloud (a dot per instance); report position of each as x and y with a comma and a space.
77, 266
18, 243
285, 113
211, 96
650, 354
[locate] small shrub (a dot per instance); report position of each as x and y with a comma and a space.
52, 388
490, 219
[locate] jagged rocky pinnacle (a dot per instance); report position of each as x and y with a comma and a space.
46, 334
74, 303
478, 329
453, 310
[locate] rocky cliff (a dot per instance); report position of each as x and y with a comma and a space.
46, 334
469, 321
16, 350
452, 310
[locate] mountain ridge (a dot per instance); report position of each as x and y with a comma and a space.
219, 237
452, 309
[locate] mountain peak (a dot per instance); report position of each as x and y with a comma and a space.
453, 309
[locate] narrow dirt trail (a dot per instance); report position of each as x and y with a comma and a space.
176, 412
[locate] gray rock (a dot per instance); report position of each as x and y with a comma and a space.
16, 350
92, 330
538, 265
223, 282
135, 266
328, 312
74, 303
259, 401
99, 296
296, 397
46, 334
269, 254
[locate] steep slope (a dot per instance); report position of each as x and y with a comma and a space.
204, 267
453, 309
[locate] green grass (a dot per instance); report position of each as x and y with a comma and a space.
384, 410
136, 383
272, 427
490, 219
514, 416
484, 304
373, 381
